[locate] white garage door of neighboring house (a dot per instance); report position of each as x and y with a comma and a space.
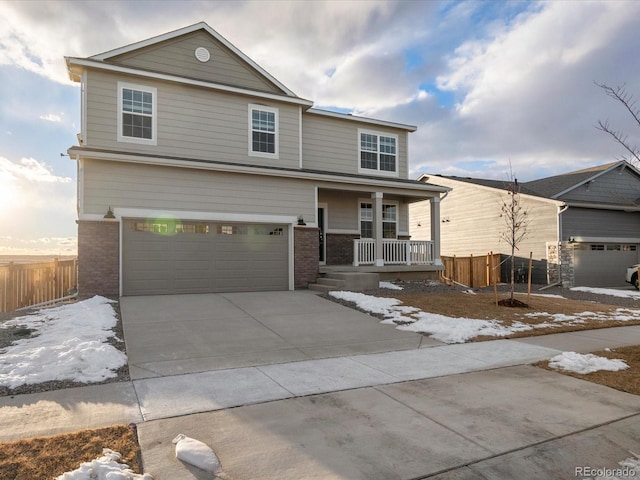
166, 256
603, 265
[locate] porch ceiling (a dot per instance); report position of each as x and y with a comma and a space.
410, 194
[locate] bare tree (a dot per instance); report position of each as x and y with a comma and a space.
621, 95
516, 224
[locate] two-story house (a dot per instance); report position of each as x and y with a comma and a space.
582, 227
198, 171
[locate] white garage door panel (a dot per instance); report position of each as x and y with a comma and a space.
201, 257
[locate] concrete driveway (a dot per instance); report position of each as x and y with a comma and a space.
177, 334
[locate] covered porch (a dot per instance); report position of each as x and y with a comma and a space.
368, 229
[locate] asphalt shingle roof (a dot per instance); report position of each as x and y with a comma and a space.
547, 187
551, 186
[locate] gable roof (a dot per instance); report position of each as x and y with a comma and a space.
551, 188
497, 184
105, 56
77, 66
558, 185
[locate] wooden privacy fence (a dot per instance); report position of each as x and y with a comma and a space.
472, 271
22, 285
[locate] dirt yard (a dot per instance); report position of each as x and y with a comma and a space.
482, 306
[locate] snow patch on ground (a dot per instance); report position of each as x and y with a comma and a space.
459, 330
106, 467
608, 291
585, 363
69, 343
390, 286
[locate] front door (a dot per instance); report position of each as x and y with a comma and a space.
322, 254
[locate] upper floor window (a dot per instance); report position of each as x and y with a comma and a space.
137, 114
263, 131
378, 152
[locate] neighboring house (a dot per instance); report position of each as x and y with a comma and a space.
200, 172
584, 226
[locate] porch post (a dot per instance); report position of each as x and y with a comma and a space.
435, 229
377, 227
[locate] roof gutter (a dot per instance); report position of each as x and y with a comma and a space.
603, 206
418, 189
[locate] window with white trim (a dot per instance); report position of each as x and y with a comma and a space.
389, 220
137, 113
378, 152
366, 220
263, 131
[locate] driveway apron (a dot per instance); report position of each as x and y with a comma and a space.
177, 334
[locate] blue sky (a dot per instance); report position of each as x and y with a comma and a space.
489, 84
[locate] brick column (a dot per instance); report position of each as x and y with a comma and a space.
98, 258
306, 245
340, 248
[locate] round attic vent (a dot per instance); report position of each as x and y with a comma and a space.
202, 54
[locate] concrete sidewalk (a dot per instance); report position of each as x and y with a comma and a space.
47, 413
457, 412
517, 422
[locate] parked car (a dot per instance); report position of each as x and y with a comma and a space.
632, 275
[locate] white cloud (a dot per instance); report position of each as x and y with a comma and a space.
28, 170
51, 117
37, 208
521, 74
526, 95
40, 246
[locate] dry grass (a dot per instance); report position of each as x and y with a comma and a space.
482, 306
49, 457
625, 380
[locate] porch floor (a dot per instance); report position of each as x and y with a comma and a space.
389, 272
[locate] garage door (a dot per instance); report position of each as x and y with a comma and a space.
165, 257
603, 265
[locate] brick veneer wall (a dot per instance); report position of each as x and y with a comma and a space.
340, 248
98, 258
305, 256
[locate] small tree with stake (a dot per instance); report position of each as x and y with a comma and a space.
516, 223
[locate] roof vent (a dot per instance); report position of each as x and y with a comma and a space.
202, 54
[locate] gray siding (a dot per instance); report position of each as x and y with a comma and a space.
332, 144
192, 122
586, 222
343, 210
177, 57
155, 187
612, 187
471, 222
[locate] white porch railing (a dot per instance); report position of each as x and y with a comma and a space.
395, 252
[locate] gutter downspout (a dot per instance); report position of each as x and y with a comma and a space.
561, 210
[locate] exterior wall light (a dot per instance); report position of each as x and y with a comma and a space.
109, 213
